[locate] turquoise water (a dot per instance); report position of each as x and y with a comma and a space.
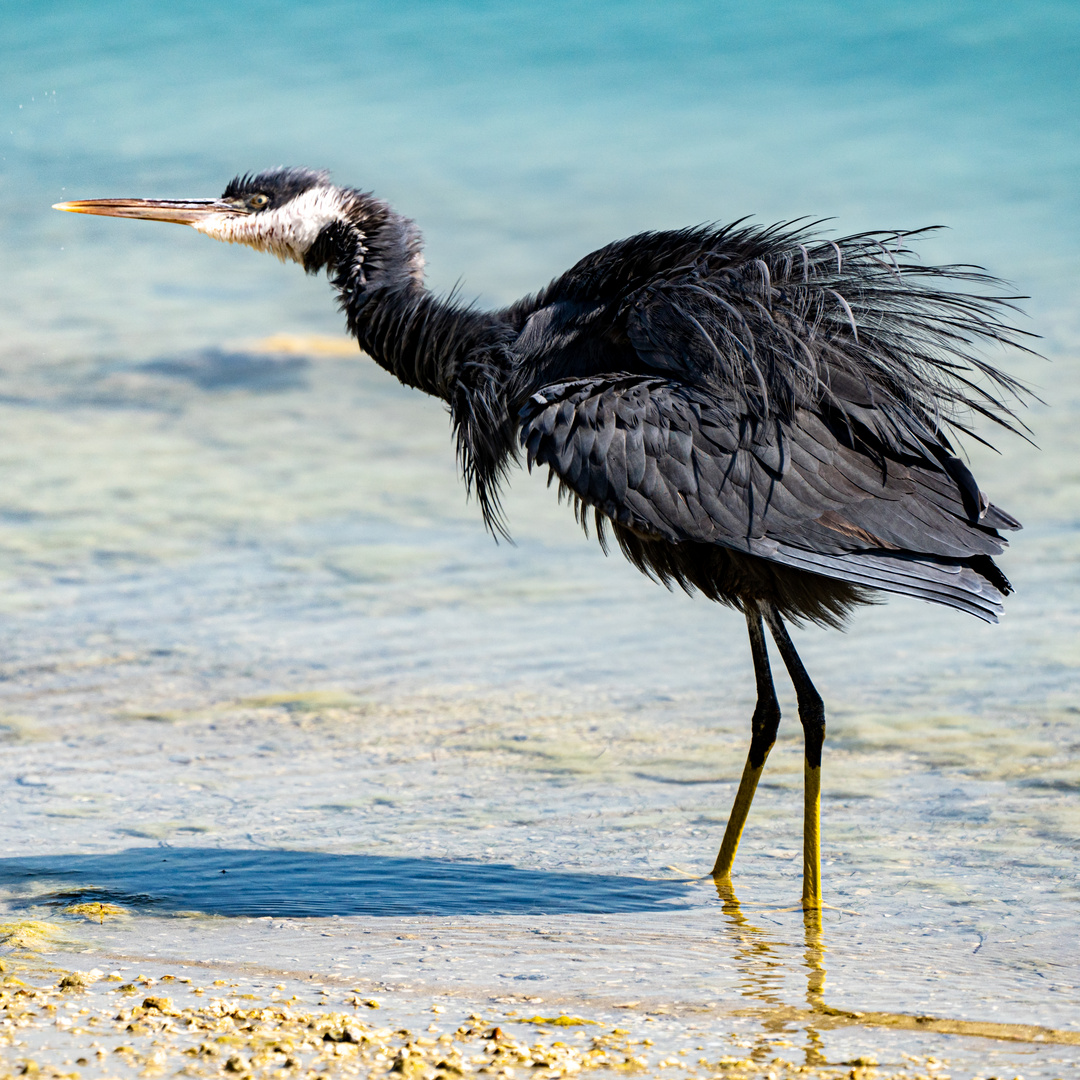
248, 610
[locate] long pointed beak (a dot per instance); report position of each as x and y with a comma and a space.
180, 211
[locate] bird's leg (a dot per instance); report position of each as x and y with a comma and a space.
763, 727
812, 715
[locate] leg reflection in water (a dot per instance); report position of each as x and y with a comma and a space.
814, 958
765, 965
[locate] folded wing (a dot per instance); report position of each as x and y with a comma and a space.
815, 491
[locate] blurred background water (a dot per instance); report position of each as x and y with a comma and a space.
248, 609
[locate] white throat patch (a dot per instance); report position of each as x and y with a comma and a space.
287, 232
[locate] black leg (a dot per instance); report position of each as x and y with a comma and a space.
812, 715
763, 727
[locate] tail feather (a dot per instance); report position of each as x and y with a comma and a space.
976, 586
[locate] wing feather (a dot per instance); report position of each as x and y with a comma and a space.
664, 460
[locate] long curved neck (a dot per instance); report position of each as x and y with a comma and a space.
425, 342
456, 354
375, 263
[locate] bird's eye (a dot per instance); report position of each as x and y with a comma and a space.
257, 202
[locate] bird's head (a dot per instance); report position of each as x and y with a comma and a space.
293, 213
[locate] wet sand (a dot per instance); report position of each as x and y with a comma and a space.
193, 1026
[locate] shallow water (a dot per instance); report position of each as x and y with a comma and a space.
251, 624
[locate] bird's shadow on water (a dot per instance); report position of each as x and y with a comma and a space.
282, 883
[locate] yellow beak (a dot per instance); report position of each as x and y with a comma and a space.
179, 211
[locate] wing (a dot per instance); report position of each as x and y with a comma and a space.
674, 462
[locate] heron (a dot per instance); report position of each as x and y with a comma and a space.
752, 412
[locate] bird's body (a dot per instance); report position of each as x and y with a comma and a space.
754, 413
752, 474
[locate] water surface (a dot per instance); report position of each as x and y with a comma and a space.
250, 619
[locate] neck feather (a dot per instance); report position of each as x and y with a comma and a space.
375, 263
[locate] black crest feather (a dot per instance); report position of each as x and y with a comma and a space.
281, 184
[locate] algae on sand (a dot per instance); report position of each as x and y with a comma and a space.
33, 936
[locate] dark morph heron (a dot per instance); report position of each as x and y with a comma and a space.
754, 413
